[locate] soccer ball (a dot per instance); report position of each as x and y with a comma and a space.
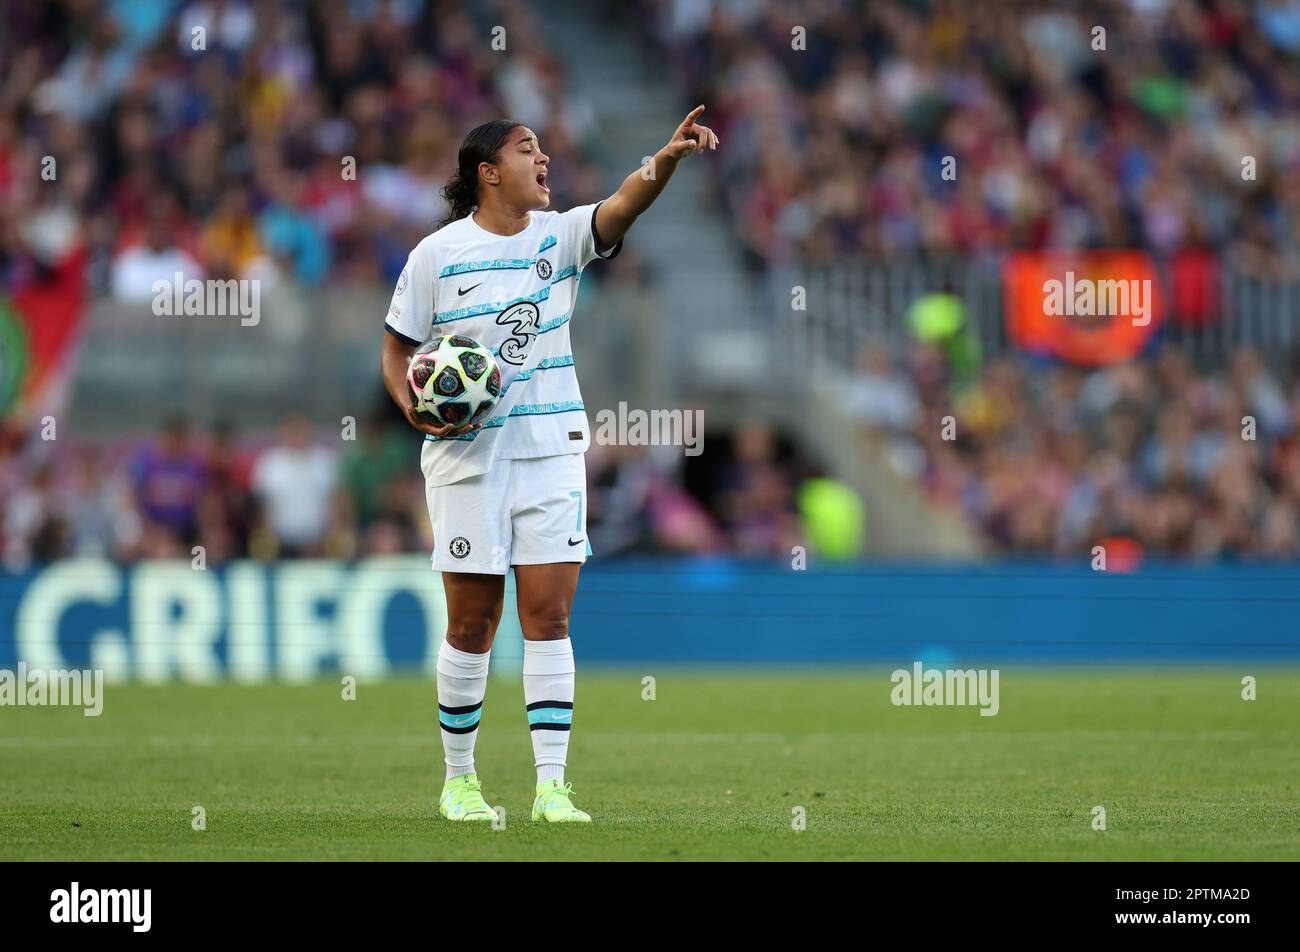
454, 381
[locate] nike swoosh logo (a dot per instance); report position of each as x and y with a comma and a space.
559, 717
460, 721
460, 291
571, 542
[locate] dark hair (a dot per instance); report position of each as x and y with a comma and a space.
481, 145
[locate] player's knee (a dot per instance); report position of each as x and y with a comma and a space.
546, 622
471, 632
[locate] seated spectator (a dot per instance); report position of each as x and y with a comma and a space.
137, 267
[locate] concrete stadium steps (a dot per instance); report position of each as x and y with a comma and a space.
686, 242
707, 297
901, 521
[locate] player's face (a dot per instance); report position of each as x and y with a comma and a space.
522, 165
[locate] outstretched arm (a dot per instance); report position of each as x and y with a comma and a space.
642, 187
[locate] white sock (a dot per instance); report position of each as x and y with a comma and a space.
462, 681
548, 695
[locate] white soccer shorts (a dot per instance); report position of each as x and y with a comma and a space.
520, 512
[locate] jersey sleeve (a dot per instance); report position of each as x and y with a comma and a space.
577, 228
410, 313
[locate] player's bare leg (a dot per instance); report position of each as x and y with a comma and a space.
545, 599
473, 612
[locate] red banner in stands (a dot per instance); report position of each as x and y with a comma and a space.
1090, 308
39, 327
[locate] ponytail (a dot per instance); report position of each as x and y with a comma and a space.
481, 145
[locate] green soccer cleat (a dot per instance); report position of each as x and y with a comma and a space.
462, 799
554, 806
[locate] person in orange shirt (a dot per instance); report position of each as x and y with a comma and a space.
230, 243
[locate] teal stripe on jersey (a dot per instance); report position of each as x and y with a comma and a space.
535, 409
491, 264
564, 274
474, 310
501, 264
546, 363
553, 323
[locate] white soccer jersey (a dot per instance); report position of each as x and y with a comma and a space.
516, 295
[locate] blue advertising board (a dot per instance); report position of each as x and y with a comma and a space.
251, 621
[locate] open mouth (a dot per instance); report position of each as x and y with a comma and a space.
541, 180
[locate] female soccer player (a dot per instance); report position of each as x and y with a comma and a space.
511, 491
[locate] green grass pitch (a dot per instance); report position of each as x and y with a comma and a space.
713, 768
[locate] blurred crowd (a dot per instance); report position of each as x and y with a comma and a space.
161, 498
301, 494
270, 139
1056, 142
303, 141
306, 141
1149, 458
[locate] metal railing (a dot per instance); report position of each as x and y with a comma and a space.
317, 351
851, 303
